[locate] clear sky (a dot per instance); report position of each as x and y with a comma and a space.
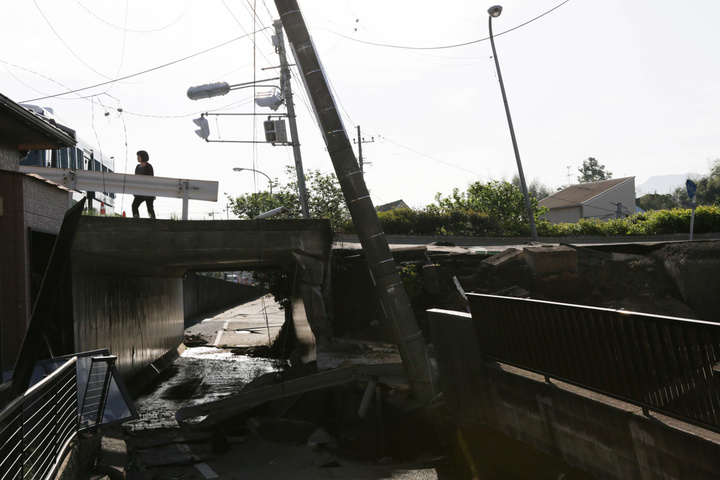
634, 84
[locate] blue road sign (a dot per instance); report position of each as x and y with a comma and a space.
691, 188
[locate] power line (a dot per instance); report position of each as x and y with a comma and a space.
66, 45
435, 159
125, 29
443, 47
144, 71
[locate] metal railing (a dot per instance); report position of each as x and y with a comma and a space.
37, 427
96, 391
670, 365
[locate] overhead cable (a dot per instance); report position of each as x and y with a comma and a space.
405, 47
144, 71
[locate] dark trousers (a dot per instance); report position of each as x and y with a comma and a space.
138, 201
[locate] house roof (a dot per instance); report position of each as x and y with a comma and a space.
29, 131
391, 206
577, 195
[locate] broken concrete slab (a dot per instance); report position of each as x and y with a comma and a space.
551, 259
506, 256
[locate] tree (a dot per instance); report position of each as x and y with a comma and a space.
536, 189
325, 198
501, 200
657, 201
708, 188
592, 171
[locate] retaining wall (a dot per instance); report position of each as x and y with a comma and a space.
138, 319
203, 294
599, 435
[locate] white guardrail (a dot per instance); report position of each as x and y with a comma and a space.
37, 427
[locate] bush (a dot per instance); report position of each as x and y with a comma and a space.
434, 221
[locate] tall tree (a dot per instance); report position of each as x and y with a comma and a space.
708, 188
535, 188
592, 171
657, 201
325, 198
500, 200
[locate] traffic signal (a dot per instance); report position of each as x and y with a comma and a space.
204, 130
275, 131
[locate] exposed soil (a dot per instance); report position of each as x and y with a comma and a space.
620, 276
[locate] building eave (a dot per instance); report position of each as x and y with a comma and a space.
28, 131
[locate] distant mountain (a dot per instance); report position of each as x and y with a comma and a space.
663, 183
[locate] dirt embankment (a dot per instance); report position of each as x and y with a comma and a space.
630, 277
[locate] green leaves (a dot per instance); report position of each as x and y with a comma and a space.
592, 171
325, 198
499, 200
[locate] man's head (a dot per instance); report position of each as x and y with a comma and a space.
143, 156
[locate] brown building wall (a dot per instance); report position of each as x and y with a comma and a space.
28, 204
9, 157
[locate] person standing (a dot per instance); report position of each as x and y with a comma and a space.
143, 168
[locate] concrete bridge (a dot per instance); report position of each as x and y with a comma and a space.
127, 278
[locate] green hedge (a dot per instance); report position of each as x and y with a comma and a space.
405, 221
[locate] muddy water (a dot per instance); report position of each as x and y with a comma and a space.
200, 375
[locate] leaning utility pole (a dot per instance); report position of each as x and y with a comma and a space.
393, 297
287, 94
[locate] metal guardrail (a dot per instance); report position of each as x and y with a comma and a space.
96, 391
670, 365
36, 428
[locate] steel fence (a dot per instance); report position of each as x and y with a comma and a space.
670, 365
36, 428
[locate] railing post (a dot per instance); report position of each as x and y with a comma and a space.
56, 433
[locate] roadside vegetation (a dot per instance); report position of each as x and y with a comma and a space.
494, 209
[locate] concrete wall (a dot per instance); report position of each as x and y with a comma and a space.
203, 294
139, 319
599, 435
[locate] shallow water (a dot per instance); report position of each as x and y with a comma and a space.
199, 375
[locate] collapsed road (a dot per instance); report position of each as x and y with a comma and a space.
316, 437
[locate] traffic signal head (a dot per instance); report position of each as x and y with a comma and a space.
269, 127
204, 130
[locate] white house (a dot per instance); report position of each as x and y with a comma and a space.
605, 200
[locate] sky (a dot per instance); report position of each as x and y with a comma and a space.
632, 84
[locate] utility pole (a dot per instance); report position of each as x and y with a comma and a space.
287, 94
360, 141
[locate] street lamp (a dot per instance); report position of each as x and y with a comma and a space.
238, 169
219, 89
495, 12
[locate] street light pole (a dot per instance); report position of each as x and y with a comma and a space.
239, 169
494, 12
